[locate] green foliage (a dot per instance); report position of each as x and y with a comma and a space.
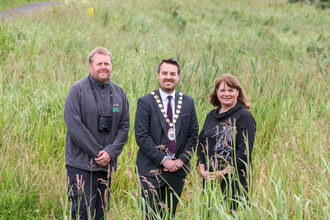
279, 52
318, 3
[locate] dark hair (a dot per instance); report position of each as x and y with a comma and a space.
232, 82
170, 61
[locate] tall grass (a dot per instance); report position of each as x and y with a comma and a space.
279, 53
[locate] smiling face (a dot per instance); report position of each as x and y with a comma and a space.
101, 67
227, 96
168, 77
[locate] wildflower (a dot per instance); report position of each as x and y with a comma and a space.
162, 204
91, 163
128, 172
129, 154
155, 173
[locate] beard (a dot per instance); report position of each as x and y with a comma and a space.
168, 89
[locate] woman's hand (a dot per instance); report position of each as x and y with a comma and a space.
217, 176
220, 175
202, 171
206, 174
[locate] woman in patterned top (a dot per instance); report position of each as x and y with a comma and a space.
226, 141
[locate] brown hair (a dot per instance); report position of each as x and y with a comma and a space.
170, 61
99, 50
232, 82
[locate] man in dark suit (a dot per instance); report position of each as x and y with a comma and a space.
166, 131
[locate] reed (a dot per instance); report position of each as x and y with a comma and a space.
279, 52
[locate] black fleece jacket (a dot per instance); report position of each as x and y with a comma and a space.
217, 146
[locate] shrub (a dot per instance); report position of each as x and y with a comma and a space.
318, 3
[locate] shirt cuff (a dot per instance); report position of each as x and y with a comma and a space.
163, 160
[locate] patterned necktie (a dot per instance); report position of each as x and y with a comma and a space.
170, 144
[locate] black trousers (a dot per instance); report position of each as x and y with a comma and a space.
162, 195
89, 193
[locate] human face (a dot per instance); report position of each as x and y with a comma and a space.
168, 77
101, 67
227, 96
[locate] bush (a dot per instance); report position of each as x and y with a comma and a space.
318, 3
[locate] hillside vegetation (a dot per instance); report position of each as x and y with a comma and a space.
7, 4
279, 52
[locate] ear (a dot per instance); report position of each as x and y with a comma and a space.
89, 65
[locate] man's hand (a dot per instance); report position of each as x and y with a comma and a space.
103, 159
172, 165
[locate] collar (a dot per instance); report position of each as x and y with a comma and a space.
164, 95
228, 113
99, 84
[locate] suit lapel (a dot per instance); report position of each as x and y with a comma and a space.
160, 115
178, 120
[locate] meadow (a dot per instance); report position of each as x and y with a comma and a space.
279, 52
7, 4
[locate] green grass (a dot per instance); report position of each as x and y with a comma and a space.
280, 53
7, 4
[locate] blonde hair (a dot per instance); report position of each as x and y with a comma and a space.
99, 50
232, 82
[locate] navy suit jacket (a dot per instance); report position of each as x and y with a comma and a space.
150, 132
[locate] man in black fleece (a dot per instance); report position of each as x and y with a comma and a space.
96, 114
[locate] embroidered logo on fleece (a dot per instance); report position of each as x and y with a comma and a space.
116, 107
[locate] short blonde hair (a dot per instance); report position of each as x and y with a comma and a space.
232, 82
99, 50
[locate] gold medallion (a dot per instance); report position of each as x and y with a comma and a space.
171, 134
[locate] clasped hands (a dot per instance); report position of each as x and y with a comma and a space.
172, 165
103, 158
216, 176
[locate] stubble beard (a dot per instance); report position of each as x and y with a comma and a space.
168, 90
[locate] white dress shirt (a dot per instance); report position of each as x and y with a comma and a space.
163, 96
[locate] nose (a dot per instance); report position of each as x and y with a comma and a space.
226, 93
